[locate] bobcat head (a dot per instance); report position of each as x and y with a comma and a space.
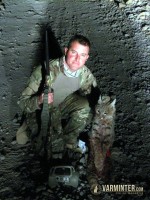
105, 110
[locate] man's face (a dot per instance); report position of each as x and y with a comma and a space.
76, 55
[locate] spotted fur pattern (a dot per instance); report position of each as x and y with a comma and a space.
101, 136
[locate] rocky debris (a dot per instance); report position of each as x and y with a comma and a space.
26, 177
119, 32
2, 6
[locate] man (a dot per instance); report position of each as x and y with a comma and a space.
71, 82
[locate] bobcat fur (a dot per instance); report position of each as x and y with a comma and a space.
101, 138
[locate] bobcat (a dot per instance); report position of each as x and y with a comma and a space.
101, 139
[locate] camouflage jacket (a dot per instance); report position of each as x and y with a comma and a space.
28, 101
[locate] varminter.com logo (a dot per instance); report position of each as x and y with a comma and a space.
122, 189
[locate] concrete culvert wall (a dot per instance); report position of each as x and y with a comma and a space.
119, 32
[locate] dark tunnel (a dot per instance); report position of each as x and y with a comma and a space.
119, 32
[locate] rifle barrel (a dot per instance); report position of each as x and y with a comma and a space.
47, 53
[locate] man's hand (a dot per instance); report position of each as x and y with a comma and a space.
40, 99
50, 98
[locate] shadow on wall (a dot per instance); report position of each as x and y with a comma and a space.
40, 54
39, 57
54, 47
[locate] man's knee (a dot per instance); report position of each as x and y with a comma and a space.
75, 105
82, 105
83, 102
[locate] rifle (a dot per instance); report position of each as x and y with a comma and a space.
45, 115
47, 143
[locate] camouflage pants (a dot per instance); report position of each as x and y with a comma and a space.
74, 111
68, 120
